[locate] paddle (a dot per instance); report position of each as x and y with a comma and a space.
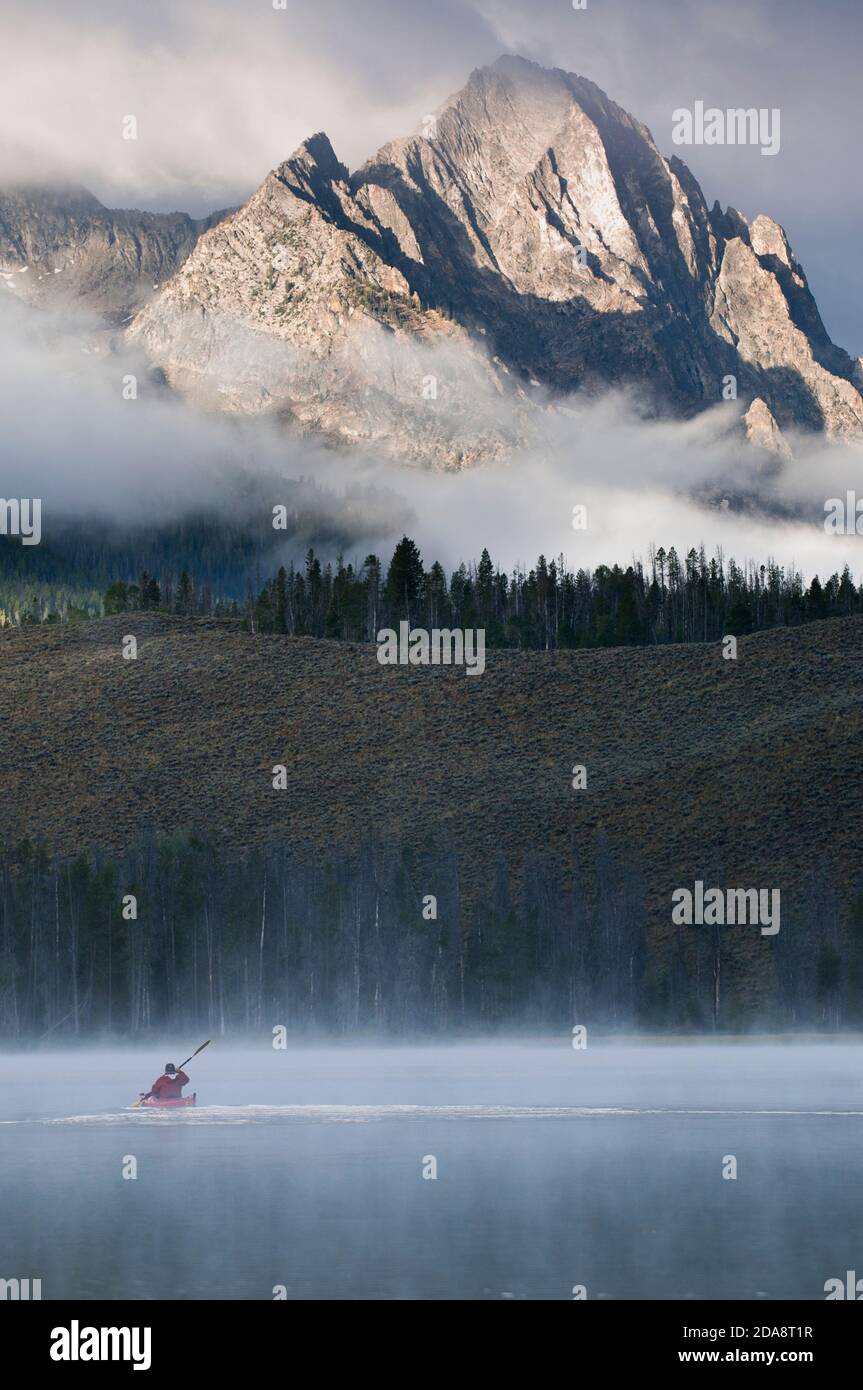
194, 1054
137, 1102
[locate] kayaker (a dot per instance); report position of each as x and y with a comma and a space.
170, 1085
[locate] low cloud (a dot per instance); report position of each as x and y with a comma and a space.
220, 90
72, 439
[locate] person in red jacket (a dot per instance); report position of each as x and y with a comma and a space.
170, 1085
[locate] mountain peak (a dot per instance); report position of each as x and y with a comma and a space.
69, 196
538, 234
539, 226
318, 151
768, 239
312, 168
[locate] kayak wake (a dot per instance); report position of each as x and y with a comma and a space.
371, 1114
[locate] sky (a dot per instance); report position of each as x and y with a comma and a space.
223, 90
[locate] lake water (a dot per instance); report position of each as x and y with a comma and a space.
555, 1168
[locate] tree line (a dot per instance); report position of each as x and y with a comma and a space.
176, 934
668, 599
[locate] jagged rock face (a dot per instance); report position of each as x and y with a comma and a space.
763, 432
534, 238
767, 313
548, 215
296, 305
59, 247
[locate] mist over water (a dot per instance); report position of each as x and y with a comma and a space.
555, 1167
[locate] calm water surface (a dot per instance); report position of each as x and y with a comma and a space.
555, 1168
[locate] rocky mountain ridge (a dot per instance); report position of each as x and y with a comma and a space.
531, 245
111, 262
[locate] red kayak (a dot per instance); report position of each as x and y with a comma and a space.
155, 1104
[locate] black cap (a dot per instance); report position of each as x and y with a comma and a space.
169, 1067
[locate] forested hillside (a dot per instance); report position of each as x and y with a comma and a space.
737, 772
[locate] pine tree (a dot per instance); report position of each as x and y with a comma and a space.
404, 579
